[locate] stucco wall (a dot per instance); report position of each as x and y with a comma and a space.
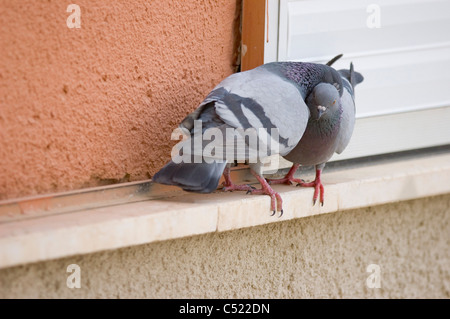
320, 256
96, 105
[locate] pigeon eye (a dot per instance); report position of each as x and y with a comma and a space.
333, 102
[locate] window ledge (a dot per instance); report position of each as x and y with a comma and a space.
185, 214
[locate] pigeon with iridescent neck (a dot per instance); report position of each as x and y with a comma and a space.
329, 130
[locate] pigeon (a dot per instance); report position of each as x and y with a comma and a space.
266, 103
329, 129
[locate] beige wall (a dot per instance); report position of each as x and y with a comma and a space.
320, 256
96, 105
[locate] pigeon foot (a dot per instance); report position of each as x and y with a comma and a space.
318, 188
275, 198
233, 187
229, 186
285, 180
288, 179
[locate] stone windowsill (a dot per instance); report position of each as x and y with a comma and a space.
184, 214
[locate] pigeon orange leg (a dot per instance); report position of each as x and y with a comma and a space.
318, 187
275, 198
288, 179
229, 186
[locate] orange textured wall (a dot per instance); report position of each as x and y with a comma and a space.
96, 105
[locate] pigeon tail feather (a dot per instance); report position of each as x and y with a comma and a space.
337, 57
355, 77
192, 177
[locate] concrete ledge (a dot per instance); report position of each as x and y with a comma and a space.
185, 214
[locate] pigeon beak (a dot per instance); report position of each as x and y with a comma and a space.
320, 111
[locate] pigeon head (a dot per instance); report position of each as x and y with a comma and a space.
323, 100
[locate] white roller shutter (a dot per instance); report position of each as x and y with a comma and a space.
404, 102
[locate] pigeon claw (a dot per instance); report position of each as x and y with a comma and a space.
300, 182
250, 190
315, 200
276, 203
318, 190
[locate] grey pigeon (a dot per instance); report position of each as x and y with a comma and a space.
328, 131
271, 96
